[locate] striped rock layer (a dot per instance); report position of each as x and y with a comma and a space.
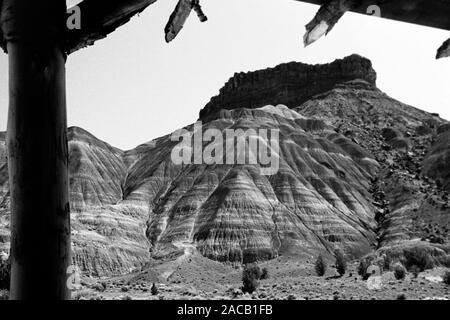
334, 145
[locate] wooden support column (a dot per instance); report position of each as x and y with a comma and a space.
37, 148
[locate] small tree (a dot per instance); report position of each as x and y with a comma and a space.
341, 263
446, 277
399, 271
154, 289
362, 268
250, 276
320, 266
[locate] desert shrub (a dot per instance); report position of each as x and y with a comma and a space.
320, 266
5, 273
154, 289
419, 258
446, 277
4, 295
386, 262
264, 274
255, 269
415, 270
291, 297
401, 296
99, 286
445, 261
341, 263
250, 277
363, 267
399, 271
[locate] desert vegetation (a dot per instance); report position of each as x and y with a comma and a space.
399, 271
446, 277
5, 274
250, 278
320, 266
341, 263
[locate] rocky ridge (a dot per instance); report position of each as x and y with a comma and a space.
290, 84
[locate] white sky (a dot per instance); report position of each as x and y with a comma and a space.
133, 87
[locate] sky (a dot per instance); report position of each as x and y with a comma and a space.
133, 87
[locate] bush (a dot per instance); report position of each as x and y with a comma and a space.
341, 263
415, 270
446, 277
399, 271
362, 268
264, 274
320, 266
5, 273
154, 289
401, 296
250, 276
445, 261
4, 295
419, 258
387, 261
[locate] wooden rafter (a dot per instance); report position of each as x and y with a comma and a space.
429, 13
180, 15
444, 50
100, 18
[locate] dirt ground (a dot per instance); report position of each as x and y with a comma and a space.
195, 277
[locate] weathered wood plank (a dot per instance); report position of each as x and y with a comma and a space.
100, 18
444, 50
430, 13
180, 15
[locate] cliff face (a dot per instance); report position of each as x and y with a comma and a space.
357, 170
290, 84
437, 162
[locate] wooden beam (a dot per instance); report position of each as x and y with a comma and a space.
427, 13
326, 18
430, 13
180, 15
34, 33
444, 50
100, 18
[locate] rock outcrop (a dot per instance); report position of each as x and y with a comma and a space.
437, 162
290, 84
357, 170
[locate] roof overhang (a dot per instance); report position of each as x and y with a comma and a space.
430, 13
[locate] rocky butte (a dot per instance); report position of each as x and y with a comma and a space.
358, 170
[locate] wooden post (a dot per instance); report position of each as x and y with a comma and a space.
37, 148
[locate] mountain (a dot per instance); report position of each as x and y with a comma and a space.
355, 169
